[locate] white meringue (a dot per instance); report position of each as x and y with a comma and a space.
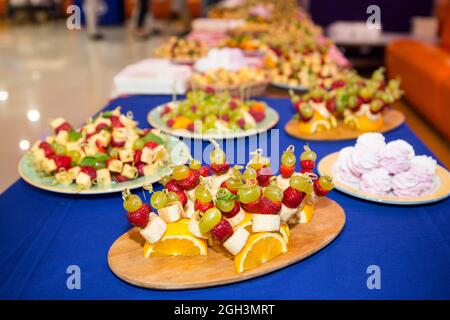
377, 181
343, 166
396, 156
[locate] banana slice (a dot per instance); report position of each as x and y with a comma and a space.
171, 213
266, 222
286, 213
237, 241
195, 229
189, 209
191, 194
234, 221
155, 229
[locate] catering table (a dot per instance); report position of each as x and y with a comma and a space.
43, 233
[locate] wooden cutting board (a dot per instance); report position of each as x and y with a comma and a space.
392, 120
127, 261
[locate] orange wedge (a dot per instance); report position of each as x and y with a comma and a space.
285, 232
260, 248
306, 213
181, 122
177, 241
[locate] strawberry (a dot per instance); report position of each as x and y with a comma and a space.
137, 156
48, 150
172, 186
61, 161
222, 231
252, 207
318, 189
204, 171
233, 212
101, 126
118, 144
166, 110
219, 168
200, 206
264, 176
89, 171
65, 126
287, 172
182, 197
257, 115
292, 198
307, 165
140, 168
267, 206
115, 122
331, 105
190, 182
170, 123
151, 145
139, 218
191, 127
120, 178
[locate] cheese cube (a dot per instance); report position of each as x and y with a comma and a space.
127, 122
55, 123
103, 177
120, 134
90, 149
100, 120
150, 170
115, 165
39, 155
62, 137
49, 165
131, 139
73, 172
36, 145
104, 138
154, 230
126, 155
50, 139
89, 128
63, 177
147, 156
83, 180
171, 213
129, 171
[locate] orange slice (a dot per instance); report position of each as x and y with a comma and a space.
177, 241
260, 248
181, 122
285, 232
306, 213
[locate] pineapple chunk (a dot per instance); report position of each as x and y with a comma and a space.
83, 180
89, 128
147, 156
129, 171
104, 137
120, 134
49, 165
103, 177
126, 155
115, 165
62, 137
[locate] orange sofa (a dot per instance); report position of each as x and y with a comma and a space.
425, 73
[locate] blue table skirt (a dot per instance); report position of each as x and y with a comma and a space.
42, 233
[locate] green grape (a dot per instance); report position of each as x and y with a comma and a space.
99, 165
306, 110
165, 180
249, 194
59, 149
376, 105
158, 200
180, 172
326, 182
273, 193
132, 203
365, 93
74, 135
202, 194
172, 197
225, 200
195, 164
210, 121
308, 154
139, 144
234, 182
210, 218
393, 84
301, 183
75, 155
217, 156
250, 174
288, 159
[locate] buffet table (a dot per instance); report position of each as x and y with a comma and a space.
43, 233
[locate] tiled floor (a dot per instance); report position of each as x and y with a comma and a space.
48, 71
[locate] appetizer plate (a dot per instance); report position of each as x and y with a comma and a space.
127, 261
178, 152
156, 122
440, 191
289, 87
392, 120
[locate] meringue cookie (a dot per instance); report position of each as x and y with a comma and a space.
363, 161
424, 168
377, 181
230, 59
343, 169
370, 140
405, 184
396, 156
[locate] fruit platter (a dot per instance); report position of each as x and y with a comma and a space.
206, 115
349, 107
107, 154
183, 51
386, 172
216, 224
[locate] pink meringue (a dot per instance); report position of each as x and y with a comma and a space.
424, 168
363, 161
343, 169
370, 140
377, 181
396, 156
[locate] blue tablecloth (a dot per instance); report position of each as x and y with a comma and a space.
42, 233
